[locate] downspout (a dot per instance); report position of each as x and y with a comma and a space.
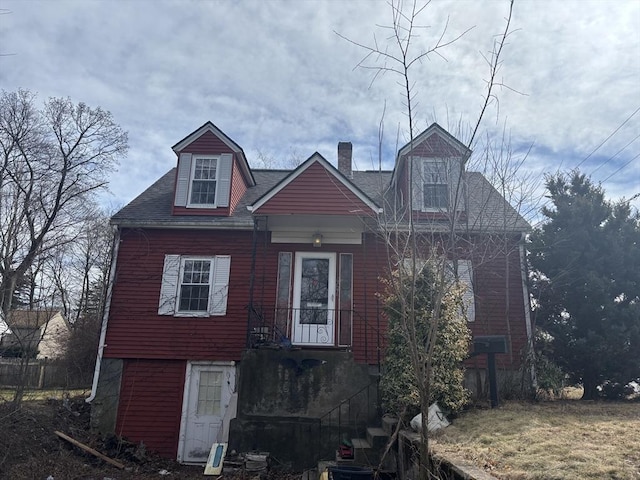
105, 315
527, 310
252, 277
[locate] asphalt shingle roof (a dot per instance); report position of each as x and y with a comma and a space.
487, 209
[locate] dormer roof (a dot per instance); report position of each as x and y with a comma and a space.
211, 128
434, 142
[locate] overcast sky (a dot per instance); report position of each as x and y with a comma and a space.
276, 78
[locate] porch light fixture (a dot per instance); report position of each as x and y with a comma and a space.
317, 240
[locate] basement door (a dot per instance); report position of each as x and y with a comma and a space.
314, 298
208, 389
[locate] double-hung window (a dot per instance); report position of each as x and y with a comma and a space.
435, 185
194, 286
203, 181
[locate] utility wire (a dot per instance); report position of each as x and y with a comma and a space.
614, 156
605, 140
638, 155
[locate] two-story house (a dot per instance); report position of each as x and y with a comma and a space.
244, 304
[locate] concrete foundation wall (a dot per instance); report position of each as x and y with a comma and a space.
285, 396
104, 407
303, 383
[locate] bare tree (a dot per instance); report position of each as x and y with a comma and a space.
411, 245
54, 159
80, 275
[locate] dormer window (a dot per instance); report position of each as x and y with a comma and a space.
202, 191
435, 185
203, 181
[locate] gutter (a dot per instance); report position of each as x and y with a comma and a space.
105, 316
527, 309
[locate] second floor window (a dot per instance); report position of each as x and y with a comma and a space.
435, 186
194, 286
203, 181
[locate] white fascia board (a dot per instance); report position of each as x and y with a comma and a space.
236, 225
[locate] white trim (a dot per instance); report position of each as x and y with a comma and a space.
185, 396
316, 157
105, 317
171, 283
446, 167
194, 161
224, 169
219, 293
207, 127
331, 299
183, 413
465, 275
304, 236
443, 134
183, 176
527, 309
193, 313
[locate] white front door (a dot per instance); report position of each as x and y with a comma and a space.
314, 289
208, 390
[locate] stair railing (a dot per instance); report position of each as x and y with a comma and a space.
346, 420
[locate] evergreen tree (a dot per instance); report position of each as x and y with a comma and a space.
586, 257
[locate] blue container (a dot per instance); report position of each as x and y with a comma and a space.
349, 472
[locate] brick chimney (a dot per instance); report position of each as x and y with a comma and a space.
344, 158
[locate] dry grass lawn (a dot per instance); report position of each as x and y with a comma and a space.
564, 439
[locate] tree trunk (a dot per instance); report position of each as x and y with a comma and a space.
590, 387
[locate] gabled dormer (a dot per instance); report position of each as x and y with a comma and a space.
212, 175
315, 188
434, 162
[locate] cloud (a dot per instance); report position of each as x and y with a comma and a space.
277, 79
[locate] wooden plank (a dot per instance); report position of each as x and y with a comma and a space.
90, 450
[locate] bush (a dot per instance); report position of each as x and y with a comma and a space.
399, 385
550, 376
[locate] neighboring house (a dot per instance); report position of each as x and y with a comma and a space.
41, 332
244, 304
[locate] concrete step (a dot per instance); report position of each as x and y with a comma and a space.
389, 424
364, 453
377, 437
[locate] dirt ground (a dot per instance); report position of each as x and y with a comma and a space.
30, 450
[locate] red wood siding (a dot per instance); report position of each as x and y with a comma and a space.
433, 146
499, 302
135, 328
238, 186
315, 191
207, 144
151, 404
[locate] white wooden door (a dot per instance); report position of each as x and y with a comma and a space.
208, 390
314, 298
